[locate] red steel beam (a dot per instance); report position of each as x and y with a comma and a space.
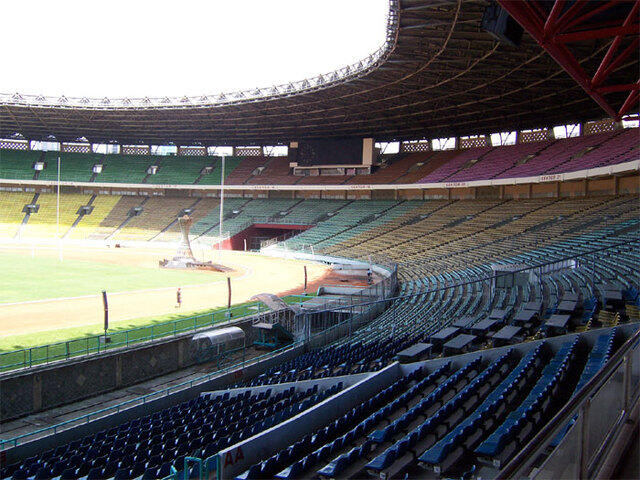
595, 34
600, 74
550, 23
546, 30
571, 13
522, 14
618, 88
631, 100
633, 47
583, 18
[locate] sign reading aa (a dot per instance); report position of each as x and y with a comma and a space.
233, 457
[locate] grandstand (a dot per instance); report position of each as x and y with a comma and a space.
508, 161
45, 223
475, 313
157, 214
11, 213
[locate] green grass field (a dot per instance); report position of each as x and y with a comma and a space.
25, 278
18, 351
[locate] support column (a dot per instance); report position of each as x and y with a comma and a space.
585, 187
37, 393
557, 189
616, 184
530, 189
181, 358
118, 371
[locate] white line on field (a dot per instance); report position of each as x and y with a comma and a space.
248, 273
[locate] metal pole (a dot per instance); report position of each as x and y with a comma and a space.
58, 214
105, 305
58, 202
221, 204
305, 280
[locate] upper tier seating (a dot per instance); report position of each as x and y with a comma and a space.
459, 161
18, 164
74, 167
244, 170
556, 155
213, 178
276, 172
399, 171
124, 169
481, 163
175, 170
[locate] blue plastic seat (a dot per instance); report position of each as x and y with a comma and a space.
164, 470
19, 474
95, 474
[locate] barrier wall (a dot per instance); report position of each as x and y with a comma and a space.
237, 458
43, 387
98, 421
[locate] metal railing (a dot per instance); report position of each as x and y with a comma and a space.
83, 419
586, 260
600, 408
96, 344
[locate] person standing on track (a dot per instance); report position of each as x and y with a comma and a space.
178, 298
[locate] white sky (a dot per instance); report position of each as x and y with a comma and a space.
139, 48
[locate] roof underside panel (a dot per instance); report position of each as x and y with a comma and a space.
443, 76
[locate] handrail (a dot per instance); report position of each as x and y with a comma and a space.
14, 441
488, 277
91, 345
572, 407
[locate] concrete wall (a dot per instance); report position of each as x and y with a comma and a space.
150, 406
237, 458
41, 388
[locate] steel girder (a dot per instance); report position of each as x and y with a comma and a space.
559, 24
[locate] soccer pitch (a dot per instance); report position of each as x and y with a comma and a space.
46, 277
49, 295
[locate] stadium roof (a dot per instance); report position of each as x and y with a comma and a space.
438, 75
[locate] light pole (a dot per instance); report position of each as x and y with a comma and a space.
221, 207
